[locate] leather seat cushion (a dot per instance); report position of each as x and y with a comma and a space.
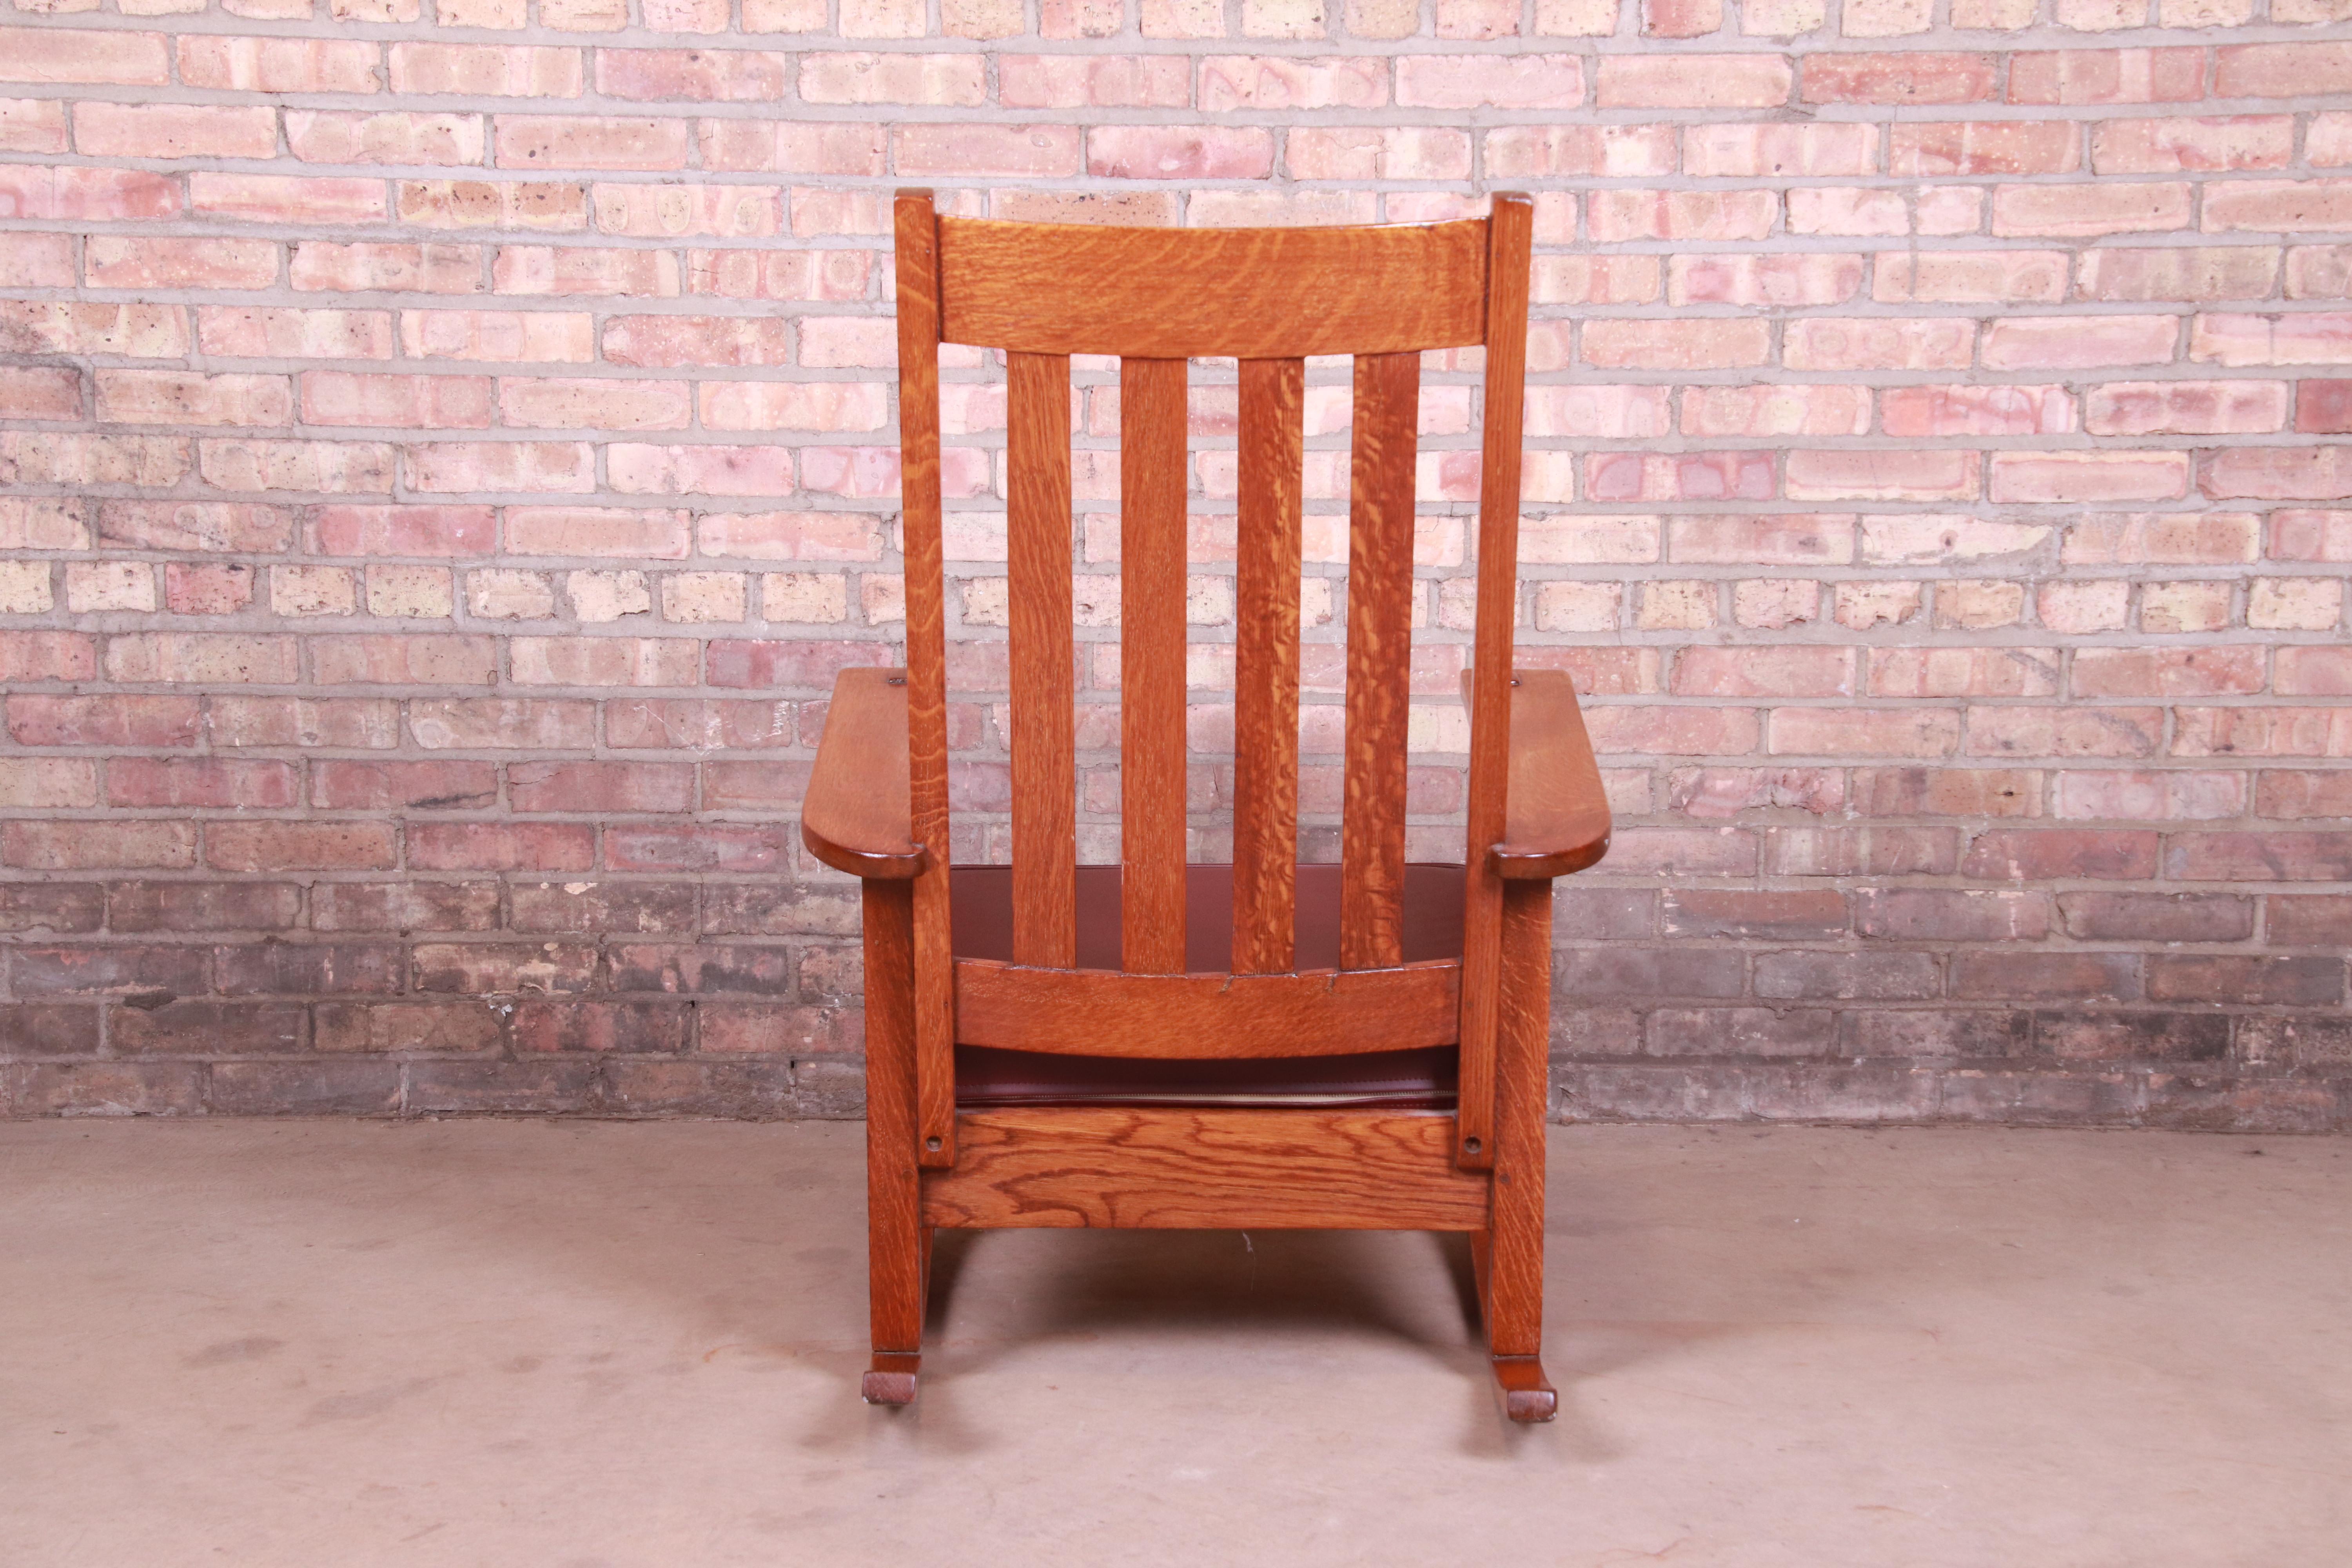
982, 905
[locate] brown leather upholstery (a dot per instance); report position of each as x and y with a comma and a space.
983, 906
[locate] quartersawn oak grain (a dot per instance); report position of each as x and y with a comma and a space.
1162, 1169
1106, 1013
1265, 662
1152, 664
855, 815
1558, 819
1510, 231
1186, 293
918, 264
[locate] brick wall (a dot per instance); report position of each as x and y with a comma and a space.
448, 452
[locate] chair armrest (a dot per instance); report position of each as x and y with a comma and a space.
855, 816
1555, 818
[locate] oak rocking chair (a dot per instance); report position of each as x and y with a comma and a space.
1261, 1045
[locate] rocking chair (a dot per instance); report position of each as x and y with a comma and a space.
1259, 1044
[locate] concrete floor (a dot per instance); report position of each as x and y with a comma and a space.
560, 1344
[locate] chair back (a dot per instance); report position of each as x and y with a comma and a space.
1155, 298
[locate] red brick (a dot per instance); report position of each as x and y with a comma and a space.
200, 782
1766, 916
386, 786
2304, 205
1860, 851
2166, 672
2151, 795
2186, 407
567, 142
71, 845
1179, 152
2263, 733
1769, 409
2299, 69
2108, 76
2245, 979
316, 137
2066, 732
2089, 476
1676, 345
2158, 917
1546, 152
2292, 794
2046, 855
1527, 81
501, 846
1914, 78
1231, 82
1948, 792
116, 261
1942, 914
36, 657
2046, 976
1779, 671
1884, 976
402, 659
62, 55
1961, 410
175, 130
486, 71
1867, 343
1864, 731
601, 786
1774, 281
728, 76
1694, 475
703, 846
103, 721
1984, 147
2321, 408
309, 845
1692, 82
2309, 920
320, 265
2203, 272
2277, 473
1622, 214
2056, 343
1080, 81
1672, 732
1882, 476
2088, 211
501, 723
943, 80
416, 531
667, 341
287, 199
1971, 276
2277, 856
2185, 146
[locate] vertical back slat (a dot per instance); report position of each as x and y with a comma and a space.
1379, 655
917, 226
1265, 684
1044, 785
1151, 665
1507, 240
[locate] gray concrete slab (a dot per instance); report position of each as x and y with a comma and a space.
573, 1344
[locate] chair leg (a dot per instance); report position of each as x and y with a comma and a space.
897, 1246
1513, 1249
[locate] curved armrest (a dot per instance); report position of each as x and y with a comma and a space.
855, 816
1555, 814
